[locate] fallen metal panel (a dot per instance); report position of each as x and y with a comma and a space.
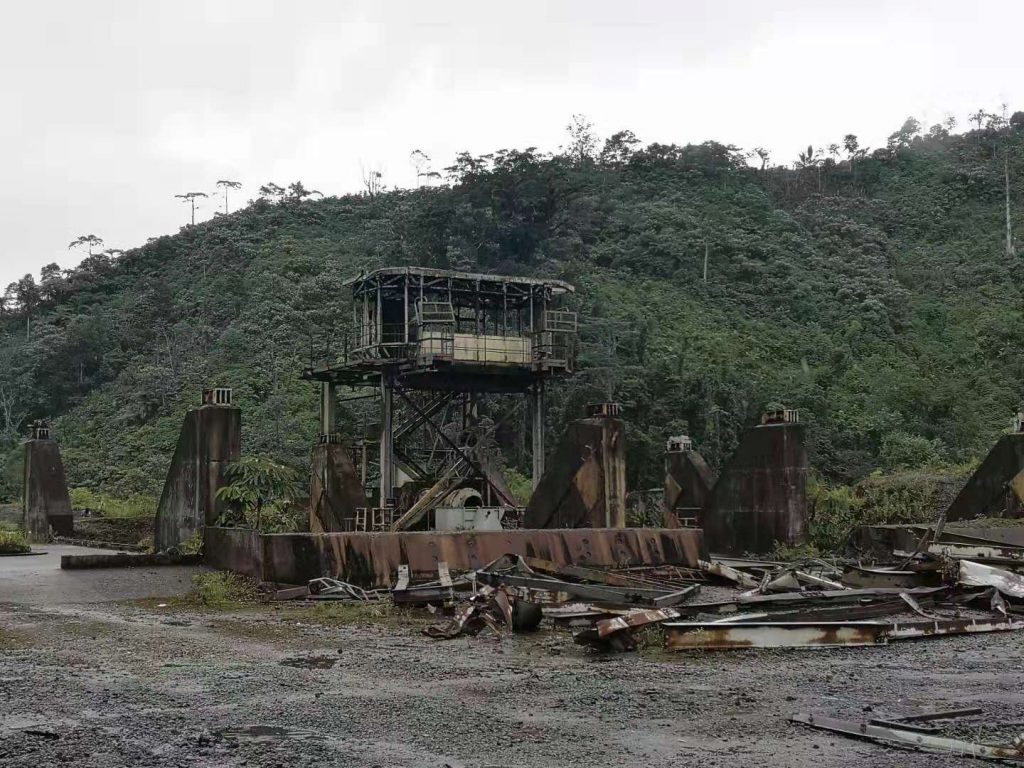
721, 570
911, 739
855, 576
915, 629
732, 635
635, 620
1009, 555
972, 574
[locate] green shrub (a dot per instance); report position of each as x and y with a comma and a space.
879, 499
520, 485
832, 512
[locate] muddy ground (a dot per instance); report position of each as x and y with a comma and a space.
133, 684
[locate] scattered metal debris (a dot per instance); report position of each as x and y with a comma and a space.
913, 738
440, 592
973, 574
326, 587
496, 608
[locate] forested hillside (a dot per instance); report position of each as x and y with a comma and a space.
872, 289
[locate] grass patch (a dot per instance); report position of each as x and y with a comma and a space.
136, 505
11, 642
221, 590
383, 613
13, 541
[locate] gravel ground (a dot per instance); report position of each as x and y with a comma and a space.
137, 685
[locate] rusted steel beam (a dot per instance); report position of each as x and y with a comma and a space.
808, 600
855, 576
590, 574
733, 635
372, 559
911, 739
682, 636
945, 714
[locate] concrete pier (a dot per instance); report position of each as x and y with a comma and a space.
210, 440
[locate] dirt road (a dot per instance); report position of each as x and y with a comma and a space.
120, 684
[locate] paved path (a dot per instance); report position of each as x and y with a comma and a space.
38, 579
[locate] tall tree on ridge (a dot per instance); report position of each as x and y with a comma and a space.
226, 184
190, 197
86, 241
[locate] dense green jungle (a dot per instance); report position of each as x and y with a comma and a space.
873, 289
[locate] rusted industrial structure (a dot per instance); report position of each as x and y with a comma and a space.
760, 498
46, 504
209, 441
585, 485
996, 488
430, 344
373, 560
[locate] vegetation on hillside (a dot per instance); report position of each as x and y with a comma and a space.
876, 291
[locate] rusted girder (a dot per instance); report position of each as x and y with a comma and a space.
681, 636
912, 739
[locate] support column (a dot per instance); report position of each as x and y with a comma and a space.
537, 413
328, 399
387, 447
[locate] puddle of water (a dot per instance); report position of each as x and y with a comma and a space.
267, 733
310, 662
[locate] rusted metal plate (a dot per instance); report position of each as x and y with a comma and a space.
372, 559
683, 636
972, 574
680, 636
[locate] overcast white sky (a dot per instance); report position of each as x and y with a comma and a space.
109, 108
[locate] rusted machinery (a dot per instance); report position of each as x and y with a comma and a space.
46, 504
430, 344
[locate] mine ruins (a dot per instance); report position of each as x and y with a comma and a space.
420, 516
